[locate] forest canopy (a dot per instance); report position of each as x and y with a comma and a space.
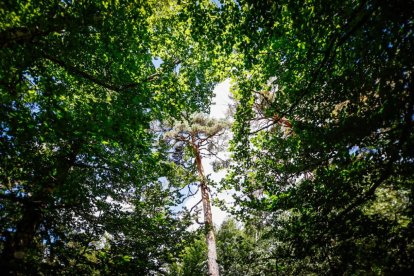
321, 150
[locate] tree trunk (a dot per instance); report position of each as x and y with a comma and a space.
213, 269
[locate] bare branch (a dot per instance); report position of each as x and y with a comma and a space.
195, 206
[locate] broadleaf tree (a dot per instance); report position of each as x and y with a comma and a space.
322, 151
323, 130
80, 169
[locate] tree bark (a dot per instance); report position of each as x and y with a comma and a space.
213, 268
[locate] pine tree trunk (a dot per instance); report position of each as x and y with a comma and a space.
213, 269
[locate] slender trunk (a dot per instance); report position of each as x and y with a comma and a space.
213, 269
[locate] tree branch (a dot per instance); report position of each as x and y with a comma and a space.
192, 208
329, 55
117, 88
75, 71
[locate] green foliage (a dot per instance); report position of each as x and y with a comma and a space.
78, 91
195, 132
193, 259
322, 135
323, 128
240, 251
237, 251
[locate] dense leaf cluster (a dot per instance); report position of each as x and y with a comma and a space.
322, 147
323, 134
84, 187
